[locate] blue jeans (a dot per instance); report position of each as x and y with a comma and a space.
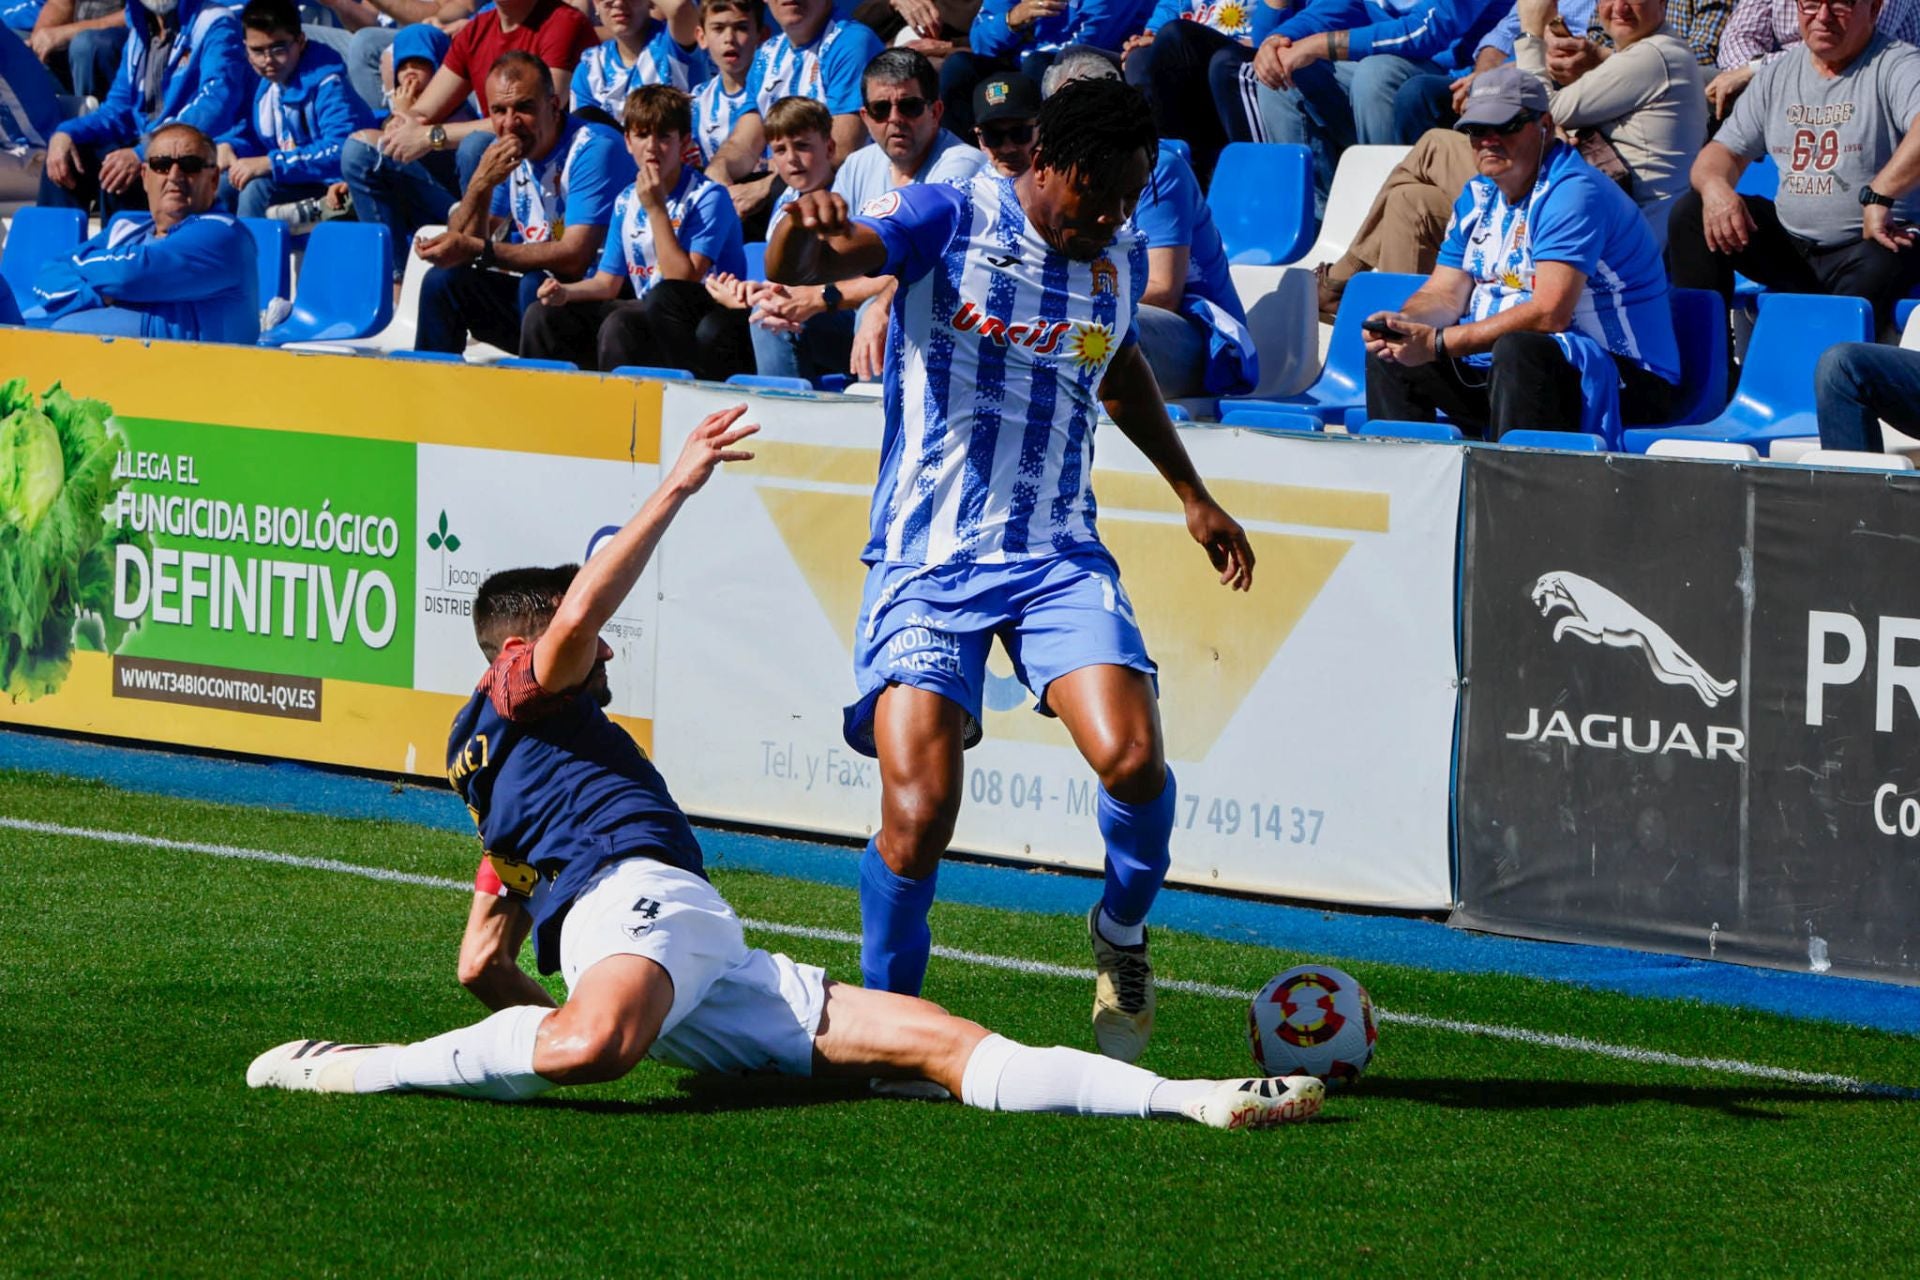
1856, 384
1176, 347
406, 197
363, 64
254, 199
1334, 105
93, 57
1422, 103
824, 345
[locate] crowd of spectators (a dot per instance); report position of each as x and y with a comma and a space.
600, 166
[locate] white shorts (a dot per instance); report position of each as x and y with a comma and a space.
735, 1008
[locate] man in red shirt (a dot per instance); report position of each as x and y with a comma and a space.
409, 172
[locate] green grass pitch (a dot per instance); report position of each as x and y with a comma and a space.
136, 983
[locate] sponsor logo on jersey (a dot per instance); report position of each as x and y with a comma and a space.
1039, 335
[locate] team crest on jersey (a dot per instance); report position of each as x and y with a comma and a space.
1039, 335
1106, 278
881, 206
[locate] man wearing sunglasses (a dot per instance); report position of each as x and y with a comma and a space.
186, 273
1006, 109
1548, 308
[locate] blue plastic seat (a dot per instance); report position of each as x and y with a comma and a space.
652, 371
836, 383
770, 382
37, 237
430, 357
1269, 420
273, 258
1774, 400
526, 362
1700, 325
1342, 384
345, 291
1565, 441
1761, 178
1388, 429
756, 260
1262, 201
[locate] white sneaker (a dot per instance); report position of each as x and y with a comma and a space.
1122, 995
310, 1066
1259, 1104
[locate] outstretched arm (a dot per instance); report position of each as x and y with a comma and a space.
497, 925
1133, 401
819, 241
564, 654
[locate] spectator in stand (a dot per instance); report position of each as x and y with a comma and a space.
1188, 43
376, 24
185, 273
1191, 324
730, 34
931, 28
815, 55
29, 113
670, 228
1548, 307
548, 183
1006, 122
902, 111
1330, 86
1839, 116
81, 41
185, 64
1761, 32
1026, 36
287, 147
1858, 384
643, 50
408, 173
1407, 221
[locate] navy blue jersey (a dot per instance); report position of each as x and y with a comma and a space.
558, 791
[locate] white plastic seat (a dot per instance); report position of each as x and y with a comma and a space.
1357, 180
1792, 449
1856, 460
1283, 317
1716, 450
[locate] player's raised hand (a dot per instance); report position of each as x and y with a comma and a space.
1225, 541
708, 445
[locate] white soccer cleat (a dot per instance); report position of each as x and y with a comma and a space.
1122, 995
307, 1066
1259, 1104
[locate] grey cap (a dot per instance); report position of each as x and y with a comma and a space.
1501, 93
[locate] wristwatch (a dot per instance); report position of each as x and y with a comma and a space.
437, 137
1869, 196
831, 296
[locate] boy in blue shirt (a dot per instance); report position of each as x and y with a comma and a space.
304, 110
641, 52
730, 34
670, 228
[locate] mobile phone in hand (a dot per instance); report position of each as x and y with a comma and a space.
1381, 329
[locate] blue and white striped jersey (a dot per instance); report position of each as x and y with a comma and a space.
1578, 216
603, 80
574, 184
715, 112
994, 359
828, 70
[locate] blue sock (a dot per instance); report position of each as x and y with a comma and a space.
894, 938
1137, 853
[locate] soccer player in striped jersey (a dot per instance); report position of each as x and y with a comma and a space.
1013, 325
587, 852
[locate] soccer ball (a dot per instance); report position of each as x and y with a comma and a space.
1314, 1020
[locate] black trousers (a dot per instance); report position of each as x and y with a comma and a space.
457, 301
1530, 387
1171, 71
1777, 258
676, 324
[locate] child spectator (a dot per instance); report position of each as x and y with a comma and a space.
641, 51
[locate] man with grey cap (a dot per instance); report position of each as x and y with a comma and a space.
1548, 308
1006, 114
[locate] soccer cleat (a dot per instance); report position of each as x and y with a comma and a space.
1258, 1104
309, 1066
1122, 995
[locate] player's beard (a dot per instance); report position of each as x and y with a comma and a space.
597, 687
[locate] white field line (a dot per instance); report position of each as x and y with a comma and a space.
1519, 1035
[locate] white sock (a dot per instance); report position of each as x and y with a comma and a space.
1170, 1097
1005, 1076
1120, 935
490, 1059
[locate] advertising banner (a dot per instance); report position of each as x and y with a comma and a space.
278, 554
1309, 722
1690, 709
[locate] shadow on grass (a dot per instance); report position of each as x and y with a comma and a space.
1752, 1102
701, 1094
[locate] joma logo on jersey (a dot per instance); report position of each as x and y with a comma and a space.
1039, 334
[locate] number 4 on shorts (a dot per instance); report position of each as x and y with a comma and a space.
646, 908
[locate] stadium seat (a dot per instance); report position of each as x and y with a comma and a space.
1565, 441
756, 260
1362, 172
1391, 430
36, 237
1855, 460
652, 371
272, 255
1792, 449
1342, 384
871, 390
1774, 399
345, 291
1903, 312
769, 382
1761, 178
833, 383
1700, 326
525, 362
433, 357
398, 335
1262, 201
1269, 420
1280, 303
1710, 450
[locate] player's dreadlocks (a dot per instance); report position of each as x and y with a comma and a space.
1093, 126
518, 602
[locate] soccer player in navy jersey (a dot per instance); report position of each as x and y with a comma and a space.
1014, 324
586, 850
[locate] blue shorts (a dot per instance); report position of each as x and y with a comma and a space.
931, 628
